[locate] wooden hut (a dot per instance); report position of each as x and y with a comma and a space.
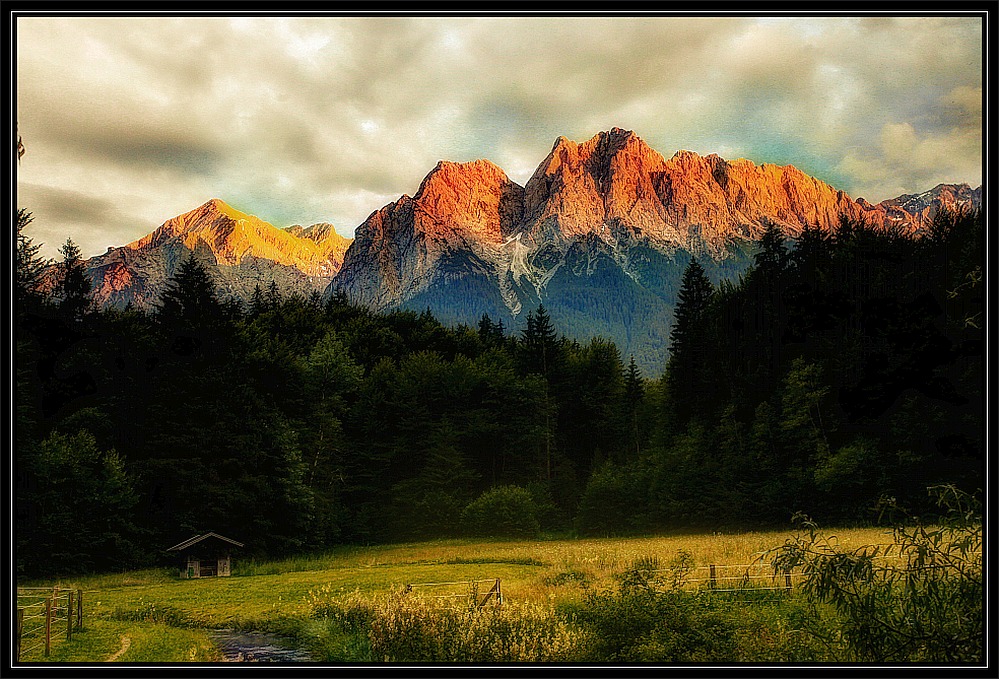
205, 556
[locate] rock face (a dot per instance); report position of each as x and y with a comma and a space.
918, 210
455, 224
241, 250
613, 187
600, 233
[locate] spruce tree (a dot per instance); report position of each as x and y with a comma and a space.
28, 265
74, 286
687, 341
540, 342
634, 392
190, 295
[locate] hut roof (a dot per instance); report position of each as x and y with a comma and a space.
190, 542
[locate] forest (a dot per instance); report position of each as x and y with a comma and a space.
838, 370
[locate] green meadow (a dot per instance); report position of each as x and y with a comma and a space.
153, 616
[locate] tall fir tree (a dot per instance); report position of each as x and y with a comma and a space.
634, 393
191, 295
28, 265
74, 285
688, 338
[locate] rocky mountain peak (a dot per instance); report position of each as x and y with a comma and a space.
236, 245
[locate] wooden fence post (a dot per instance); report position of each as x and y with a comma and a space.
79, 609
499, 593
69, 616
20, 631
787, 580
48, 625
712, 578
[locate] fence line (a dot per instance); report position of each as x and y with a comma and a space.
495, 592
50, 606
765, 571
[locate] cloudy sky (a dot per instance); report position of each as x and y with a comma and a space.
130, 121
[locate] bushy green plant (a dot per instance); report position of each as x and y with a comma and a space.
642, 625
651, 617
917, 599
504, 511
608, 504
651, 574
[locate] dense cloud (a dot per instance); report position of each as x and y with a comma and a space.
130, 121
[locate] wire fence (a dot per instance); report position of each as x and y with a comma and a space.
44, 616
762, 576
470, 591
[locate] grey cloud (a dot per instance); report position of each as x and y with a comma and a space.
93, 223
328, 113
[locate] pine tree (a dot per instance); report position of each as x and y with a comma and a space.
257, 303
634, 393
273, 296
28, 265
772, 255
540, 342
74, 286
190, 295
688, 337
692, 303
539, 351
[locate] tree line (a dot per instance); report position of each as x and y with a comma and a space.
841, 367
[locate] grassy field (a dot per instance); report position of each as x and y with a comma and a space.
153, 616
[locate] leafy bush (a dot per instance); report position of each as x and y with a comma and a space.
918, 599
504, 511
651, 618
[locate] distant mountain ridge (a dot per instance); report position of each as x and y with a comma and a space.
600, 233
241, 250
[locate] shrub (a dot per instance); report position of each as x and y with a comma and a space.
918, 599
651, 618
641, 625
505, 511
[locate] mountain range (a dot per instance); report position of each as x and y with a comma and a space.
600, 234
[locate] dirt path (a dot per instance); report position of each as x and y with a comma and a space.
125, 643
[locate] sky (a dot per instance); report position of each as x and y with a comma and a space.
129, 121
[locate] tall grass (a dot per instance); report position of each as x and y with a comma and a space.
403, 627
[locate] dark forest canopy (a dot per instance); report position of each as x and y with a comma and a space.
838, 370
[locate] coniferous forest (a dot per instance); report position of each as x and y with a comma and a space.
839, 369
